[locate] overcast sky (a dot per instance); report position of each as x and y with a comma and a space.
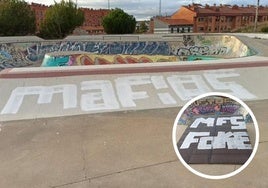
145, 9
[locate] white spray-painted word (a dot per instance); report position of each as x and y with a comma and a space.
100, 94
233, 140
236, 121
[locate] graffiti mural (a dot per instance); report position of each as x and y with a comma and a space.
218, 139
37, 51
56, 59
188, 40
11, 56
201, 50
32, 53
215, 105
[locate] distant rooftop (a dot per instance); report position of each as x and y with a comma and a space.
171, 21
226, 9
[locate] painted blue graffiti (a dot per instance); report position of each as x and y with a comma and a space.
23, 54
11, 57
37, 51
5, 55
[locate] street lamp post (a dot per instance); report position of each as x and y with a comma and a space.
256, 15
159, 7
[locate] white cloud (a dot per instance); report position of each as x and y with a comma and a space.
144, 9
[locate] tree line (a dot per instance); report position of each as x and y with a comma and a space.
17, 19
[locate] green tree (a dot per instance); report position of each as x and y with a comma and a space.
119, 22
143, 28
16, 18
264, 29
60, 20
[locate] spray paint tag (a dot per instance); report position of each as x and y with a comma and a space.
216, 140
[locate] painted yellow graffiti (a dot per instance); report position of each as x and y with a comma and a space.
97, 59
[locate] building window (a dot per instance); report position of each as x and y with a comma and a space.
201, 19
200, 28
229, 19
244, 18
210, 19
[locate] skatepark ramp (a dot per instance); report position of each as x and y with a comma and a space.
148, 48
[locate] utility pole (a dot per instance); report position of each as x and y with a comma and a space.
159, 7
256, 16
109, 4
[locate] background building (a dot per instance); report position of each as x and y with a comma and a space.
93, 19
91, 25
170, 25
40, 11
209, 19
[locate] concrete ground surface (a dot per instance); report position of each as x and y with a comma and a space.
217, 169
118, 149
128, 148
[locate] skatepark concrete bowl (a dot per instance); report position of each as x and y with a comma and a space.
120, 50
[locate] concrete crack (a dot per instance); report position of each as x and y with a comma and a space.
132, 169
116, 172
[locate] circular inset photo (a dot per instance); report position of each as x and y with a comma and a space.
215, 135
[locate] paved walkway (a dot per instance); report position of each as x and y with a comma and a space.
119, 149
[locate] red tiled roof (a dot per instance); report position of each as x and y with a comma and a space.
192, 11
226, 9
171, 21
178, 22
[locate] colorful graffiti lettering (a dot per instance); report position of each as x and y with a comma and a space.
38, 50
213, 105
95, 59
201, 50
11, 56
229, 108
25, 54
213, 108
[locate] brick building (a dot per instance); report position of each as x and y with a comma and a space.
92, 23
40, 11
93, 19
215, 19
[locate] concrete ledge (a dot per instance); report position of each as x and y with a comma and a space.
37, 72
